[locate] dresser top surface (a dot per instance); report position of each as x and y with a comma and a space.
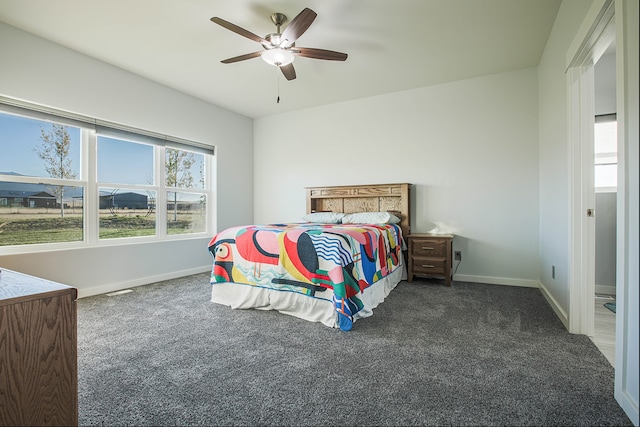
16, 287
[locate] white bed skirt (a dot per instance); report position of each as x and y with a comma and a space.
312, 309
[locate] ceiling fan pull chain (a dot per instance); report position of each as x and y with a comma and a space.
278, 85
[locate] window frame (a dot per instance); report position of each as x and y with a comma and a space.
604, 118
89, 130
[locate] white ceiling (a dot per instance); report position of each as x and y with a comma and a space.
392, 45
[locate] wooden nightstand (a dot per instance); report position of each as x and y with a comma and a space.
430, 255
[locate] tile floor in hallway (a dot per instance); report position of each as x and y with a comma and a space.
605, 328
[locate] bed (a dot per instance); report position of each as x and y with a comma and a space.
333, 268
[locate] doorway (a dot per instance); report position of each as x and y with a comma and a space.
581, 83
605, 188
595, 34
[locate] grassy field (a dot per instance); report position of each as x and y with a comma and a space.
116, 226
24, 229
32, 226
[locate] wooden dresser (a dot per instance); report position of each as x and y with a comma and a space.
38, 351
430, 255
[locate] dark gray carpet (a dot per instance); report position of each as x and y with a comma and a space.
469, 354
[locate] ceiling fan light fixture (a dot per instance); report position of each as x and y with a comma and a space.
278, 56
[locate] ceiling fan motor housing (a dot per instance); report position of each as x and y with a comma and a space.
274, 40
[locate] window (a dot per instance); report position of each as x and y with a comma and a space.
40, 184
38, 148
126, 188
186, 210
125, 162
606, 153
69, 180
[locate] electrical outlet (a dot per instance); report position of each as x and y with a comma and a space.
457, 255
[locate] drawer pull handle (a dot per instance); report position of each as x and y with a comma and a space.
427, 248
428, 266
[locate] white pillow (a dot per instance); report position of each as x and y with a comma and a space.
324, 217
370, 218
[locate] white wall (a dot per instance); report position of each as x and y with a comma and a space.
605, 266
554, 154
604, 74
470, 149
38, 71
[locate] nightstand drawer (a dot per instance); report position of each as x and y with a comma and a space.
429, 248
436, 267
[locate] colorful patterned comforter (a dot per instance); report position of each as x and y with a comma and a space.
331, 261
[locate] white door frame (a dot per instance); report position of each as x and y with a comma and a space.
589, 45
605, 21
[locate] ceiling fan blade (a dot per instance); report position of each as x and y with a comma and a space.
288, 71
241, 57
310, 52
238, 30
298, 25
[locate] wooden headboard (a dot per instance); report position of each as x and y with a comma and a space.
363, 198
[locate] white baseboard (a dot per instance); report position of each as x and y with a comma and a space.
112, 287
627, 402
605, 290
562, 315
496, 280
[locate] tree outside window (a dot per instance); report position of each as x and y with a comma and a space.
54, 151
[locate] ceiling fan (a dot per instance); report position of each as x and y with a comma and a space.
279, 49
